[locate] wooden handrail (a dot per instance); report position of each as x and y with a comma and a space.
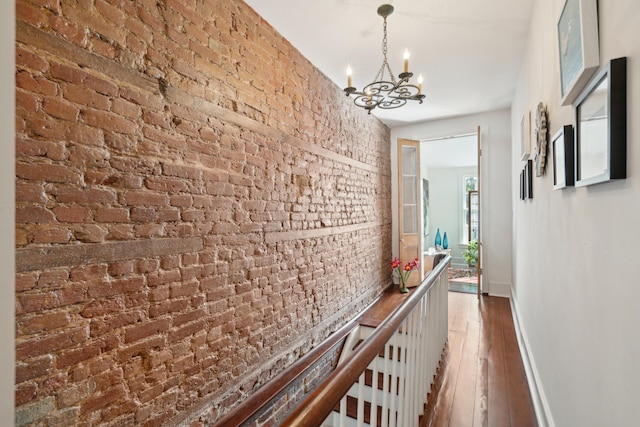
319, 404
252, 405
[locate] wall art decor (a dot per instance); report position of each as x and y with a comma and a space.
562, 157
529, 178
522, 185
525, 136
578, 48
542, 136
425, 206
601, 126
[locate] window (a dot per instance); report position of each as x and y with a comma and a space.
469, 187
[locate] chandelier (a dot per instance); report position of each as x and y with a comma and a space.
386, 94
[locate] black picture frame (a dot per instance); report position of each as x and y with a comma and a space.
522, 194
562, 153
601, 126
529, 179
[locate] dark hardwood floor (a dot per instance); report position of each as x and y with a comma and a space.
483, 381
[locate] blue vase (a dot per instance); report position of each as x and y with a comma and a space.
445, 241
438, 241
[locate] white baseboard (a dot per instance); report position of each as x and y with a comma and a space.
497, 289
540, 404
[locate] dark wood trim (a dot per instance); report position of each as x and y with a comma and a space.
45, 257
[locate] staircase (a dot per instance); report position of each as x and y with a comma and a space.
393, 389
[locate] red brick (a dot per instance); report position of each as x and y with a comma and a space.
49, 344
34, 215
84, 195
126, 108
85, 135
51, 234
144, 330
90, 233
102, 307
102, 327
83, 273
34, 368
28, 12
77, 355
116, 287
121, 232
122, 268
27, 59
83, 96
100, 401
27, 101
42, 322
34, 303
143, 198
106, 214
94, 21
76, 214
144, 215
36, 84
89, 157
60, 109
113, 14
68, 30
180, 319
107, 120
186, 330
25, 392
168, 185
47, 172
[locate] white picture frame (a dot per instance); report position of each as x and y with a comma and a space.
578, 47
525, 136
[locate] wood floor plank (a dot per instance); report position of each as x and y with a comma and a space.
464, 397
484, 382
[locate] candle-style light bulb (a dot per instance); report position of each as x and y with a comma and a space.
420, 84
349, 76
406, 60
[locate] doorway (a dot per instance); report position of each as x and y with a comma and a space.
449, 173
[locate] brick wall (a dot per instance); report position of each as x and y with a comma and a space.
196, 207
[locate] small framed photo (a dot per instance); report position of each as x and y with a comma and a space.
529, 178
578, 47
525, 136
601, 126
562, 155
522, 185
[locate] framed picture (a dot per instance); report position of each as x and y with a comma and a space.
578, 48
522, 194
525, 136
529, 178
601, 126
425, 206
562, 155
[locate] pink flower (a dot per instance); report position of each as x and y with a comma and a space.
405, 272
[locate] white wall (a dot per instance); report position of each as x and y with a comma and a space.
7, 209
446, 186
575, 283
496, 186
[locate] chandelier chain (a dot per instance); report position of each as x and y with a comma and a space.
385, 62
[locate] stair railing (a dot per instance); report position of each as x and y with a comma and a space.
411, 341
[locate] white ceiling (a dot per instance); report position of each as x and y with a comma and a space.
469, 51
453, 152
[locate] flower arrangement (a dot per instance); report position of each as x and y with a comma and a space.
404, 272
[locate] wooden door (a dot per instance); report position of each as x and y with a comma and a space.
410, 206
479, 269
